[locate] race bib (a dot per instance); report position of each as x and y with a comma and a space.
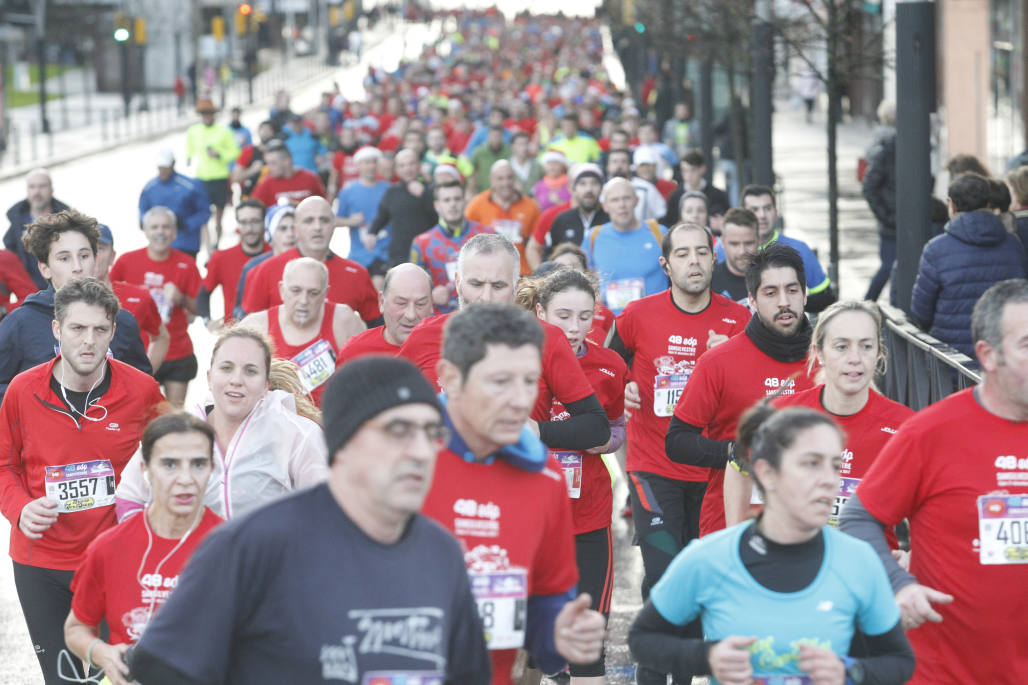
509, 229
451, 271
82, 486
1003, 529
571, 462
316, 363
623, 291
847, 486
401, 678
502, 599
782, 680
666, 391
164, 306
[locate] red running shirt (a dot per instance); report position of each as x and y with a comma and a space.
138, 302
137, 268
371, 341
588, 479
107, 584
223, 269
932, 472
42, 434
666, 343
867, 433
562, 377
308, 353
727, 381
513, 526
348, 283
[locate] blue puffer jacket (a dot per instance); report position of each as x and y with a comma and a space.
956, 268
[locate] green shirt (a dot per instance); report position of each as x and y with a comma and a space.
220, 139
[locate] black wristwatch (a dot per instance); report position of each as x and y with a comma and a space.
855, 672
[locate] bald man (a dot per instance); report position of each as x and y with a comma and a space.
405, 300
306, 328
407, 208
349, 282
504, 209
39, 201
625, 251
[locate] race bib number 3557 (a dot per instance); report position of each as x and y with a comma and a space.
82, 486
1003, 529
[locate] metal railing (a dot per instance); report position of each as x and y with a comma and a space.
921, 370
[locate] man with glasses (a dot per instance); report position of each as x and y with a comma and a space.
344, 581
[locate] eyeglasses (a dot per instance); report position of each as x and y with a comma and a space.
403, 431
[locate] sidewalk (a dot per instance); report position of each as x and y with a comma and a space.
801, 163
97, 122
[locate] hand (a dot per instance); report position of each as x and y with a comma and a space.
730, 660
369, 240
902, 558
357, 219
415, 188
215, 325
37, 516
715, 339
111, 658
915, 603
441, 295
632, 398
212, 153
822, 665
578, 631
172, 293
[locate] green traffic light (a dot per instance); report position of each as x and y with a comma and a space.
121, 35
639, 27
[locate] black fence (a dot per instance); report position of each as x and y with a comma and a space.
921, 370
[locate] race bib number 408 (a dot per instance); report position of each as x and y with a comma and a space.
80, 487
1003, 529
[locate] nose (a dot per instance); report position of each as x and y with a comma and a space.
410, 312
783, 299
421, 448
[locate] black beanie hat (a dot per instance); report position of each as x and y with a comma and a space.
364, 388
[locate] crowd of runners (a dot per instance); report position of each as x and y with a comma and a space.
401, 469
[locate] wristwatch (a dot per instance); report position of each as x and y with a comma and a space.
855, 673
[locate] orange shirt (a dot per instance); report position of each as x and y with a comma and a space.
515, 223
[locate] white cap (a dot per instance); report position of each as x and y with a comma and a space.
367, 152
165, 157
645, 155
554, 156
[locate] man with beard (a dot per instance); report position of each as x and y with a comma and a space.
306, 328
39, 202
348, 281
174, 282
661, 337
226, 265
406, 207
770, 358
739, 242
405, 300
572, 224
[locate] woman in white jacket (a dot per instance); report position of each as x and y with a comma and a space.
264, 448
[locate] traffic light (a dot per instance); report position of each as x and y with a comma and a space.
218, 28
140, 30
243, 14
121, 27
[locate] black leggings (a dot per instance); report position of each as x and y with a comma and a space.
667, 517
45, 596
594, 552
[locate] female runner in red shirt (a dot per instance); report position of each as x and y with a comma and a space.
566, 298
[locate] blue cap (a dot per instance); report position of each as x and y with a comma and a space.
105, 235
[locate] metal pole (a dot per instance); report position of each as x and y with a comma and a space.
41, 58
915, 101
126, 94
763, 86
707, 113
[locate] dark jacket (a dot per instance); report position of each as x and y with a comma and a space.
975, 252
27, 339
20, 216
1021, 228
880, 180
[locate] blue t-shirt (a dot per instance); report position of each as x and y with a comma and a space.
304, 148
627, 264
816, 278
708, 579
358, 197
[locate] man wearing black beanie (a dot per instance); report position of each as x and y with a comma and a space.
340, 581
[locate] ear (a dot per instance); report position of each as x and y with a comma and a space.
449, 377
44, 270
539, 311
282, 290
763, 472
55, 327
987, 356
663, 264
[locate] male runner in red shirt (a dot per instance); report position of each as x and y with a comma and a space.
225, 265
